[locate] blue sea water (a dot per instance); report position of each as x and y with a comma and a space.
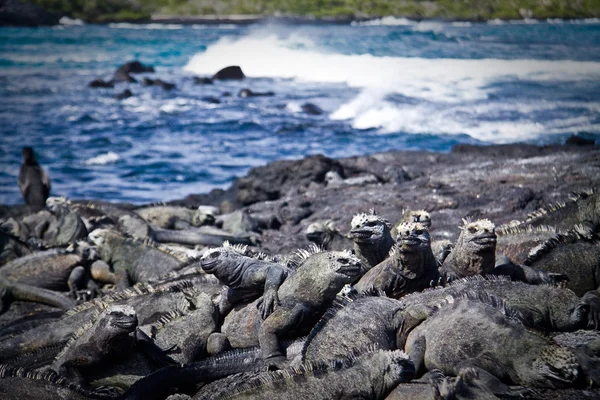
387, 84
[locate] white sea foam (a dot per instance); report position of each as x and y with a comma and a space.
385, 21
70, 21
439, 86
127, 25
103, 159
462, 24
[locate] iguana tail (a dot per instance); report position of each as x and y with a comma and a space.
193, 238
35, 294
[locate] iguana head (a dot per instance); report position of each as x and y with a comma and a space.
56, 204
101, 237
320, 232
477, 236
389, 368
413, 237
421, 216
204, 215
369, 228
119, 319
343, 265
225, 254
555, 366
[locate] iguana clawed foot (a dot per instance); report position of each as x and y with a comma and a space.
593, 301
268, 303
275, 362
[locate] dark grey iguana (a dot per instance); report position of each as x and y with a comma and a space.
107, 215
325, 235
372, 238
173, 217
354, 323
410, 267
475, 254
576, 255
108, 335
515, 242
66, 227
582, 209
11, 247
546, 307
21, 384
132, 261
371, 375
304, 296
484, 334
246, 278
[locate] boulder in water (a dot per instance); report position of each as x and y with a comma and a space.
203, 81
249, 93
158, 82
311, 109
233, 72
100, 83
132, 67
580, 141
125, 94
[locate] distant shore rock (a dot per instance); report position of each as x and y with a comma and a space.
249, 93
233, 72
100, 83
203, 80
125, 94
311, 109
132, 67
158, 82
16, 13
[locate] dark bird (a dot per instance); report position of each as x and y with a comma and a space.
33, 180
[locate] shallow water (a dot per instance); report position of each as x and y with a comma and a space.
388, 84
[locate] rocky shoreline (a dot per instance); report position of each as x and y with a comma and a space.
500, 182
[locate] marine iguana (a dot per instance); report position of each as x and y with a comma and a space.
474, 254
247, 278
132, 261
372, 238
489, 337
172, 217
92, 344
410, 267
421, 216
11, 247
20, 384
325, 235
303, 297
515, 242
371, 375
33, 180
66, 227
575, 254
583, 208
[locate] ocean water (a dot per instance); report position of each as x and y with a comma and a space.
385, 84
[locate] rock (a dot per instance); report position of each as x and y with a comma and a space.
230, 73
580, 141
202, 81
272, 181
158, 82
16, 13
132, 67
249, 93
125, 94
210, 99
100, 83
311, 109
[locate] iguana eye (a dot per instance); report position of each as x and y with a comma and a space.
215, 254
371, 223
343, 261
472, 229
419, 232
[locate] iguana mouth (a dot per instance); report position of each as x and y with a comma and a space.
411, 242
484, 240
127, 325
361, 234
350, 270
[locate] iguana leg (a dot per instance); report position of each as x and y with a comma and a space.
229, 298
76, 281
122, 278
270, 299
592, 299
101, 272
278, 323
416, 350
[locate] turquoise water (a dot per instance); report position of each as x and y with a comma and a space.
392, 84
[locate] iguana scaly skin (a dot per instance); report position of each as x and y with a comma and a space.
107, 336
410, 267
188, 330
582, 209
372, 238
355, 324
172, 217
126, 221
576, 255
545, 307
420, 216
66, 228
368, 376
516, 242
484, 334
325, 235
21, 384
132, 261
11, 247
246, 278
303, 296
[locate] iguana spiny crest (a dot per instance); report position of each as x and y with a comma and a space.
412, 236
